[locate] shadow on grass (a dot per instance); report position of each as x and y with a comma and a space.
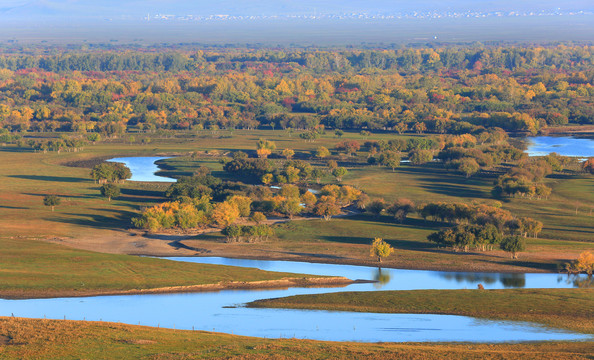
13, 207
177, 244
90, 196
51, 178
453, 190
408, 222
120, 222
525, 264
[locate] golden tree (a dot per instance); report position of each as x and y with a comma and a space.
380, 249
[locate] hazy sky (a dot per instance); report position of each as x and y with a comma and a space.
115, 8
123, 20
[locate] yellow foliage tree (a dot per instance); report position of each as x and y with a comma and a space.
224, 214
380, 249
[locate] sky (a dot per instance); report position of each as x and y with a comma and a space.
125, 20
117, 8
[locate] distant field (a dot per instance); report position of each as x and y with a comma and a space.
52, 339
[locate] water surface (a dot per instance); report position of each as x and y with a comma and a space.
143, 168
223, 311
563, 145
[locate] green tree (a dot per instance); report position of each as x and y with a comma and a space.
109, 191
380, 249
390, 159
339, 173
51, 200
376, 207
419, 157
513, 245
468, 167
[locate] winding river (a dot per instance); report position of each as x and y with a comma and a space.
223, 311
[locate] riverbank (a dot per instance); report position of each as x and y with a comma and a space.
568, 130
50, 270
226, 285
43, 339
571, 309
299, 244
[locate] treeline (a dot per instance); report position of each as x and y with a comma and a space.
419, 59
113, 93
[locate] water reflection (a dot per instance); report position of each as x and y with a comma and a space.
513, 280
381, 278
219, 311
562, 145
577, 280
400, 279
471, 278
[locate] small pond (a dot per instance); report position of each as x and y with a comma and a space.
223, 311
563, 145
143, 168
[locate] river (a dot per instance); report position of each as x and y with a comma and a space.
563, 145
223, 311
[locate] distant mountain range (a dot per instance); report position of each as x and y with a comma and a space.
89, 9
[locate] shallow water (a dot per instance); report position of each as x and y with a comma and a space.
143, 168
223, 311
563, 145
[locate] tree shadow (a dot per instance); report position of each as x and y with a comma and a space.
50, 178
525, 264
120, 222
89, 196
454, 190
13, 207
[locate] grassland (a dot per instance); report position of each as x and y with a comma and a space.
38, 269
87, 221
45, 339
571, 309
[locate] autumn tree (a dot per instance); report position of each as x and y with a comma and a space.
288, 153
322, 152
380, 249
327, 206
243, 204
224, 214
588, 165
583, 264
264, 148
258, 217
